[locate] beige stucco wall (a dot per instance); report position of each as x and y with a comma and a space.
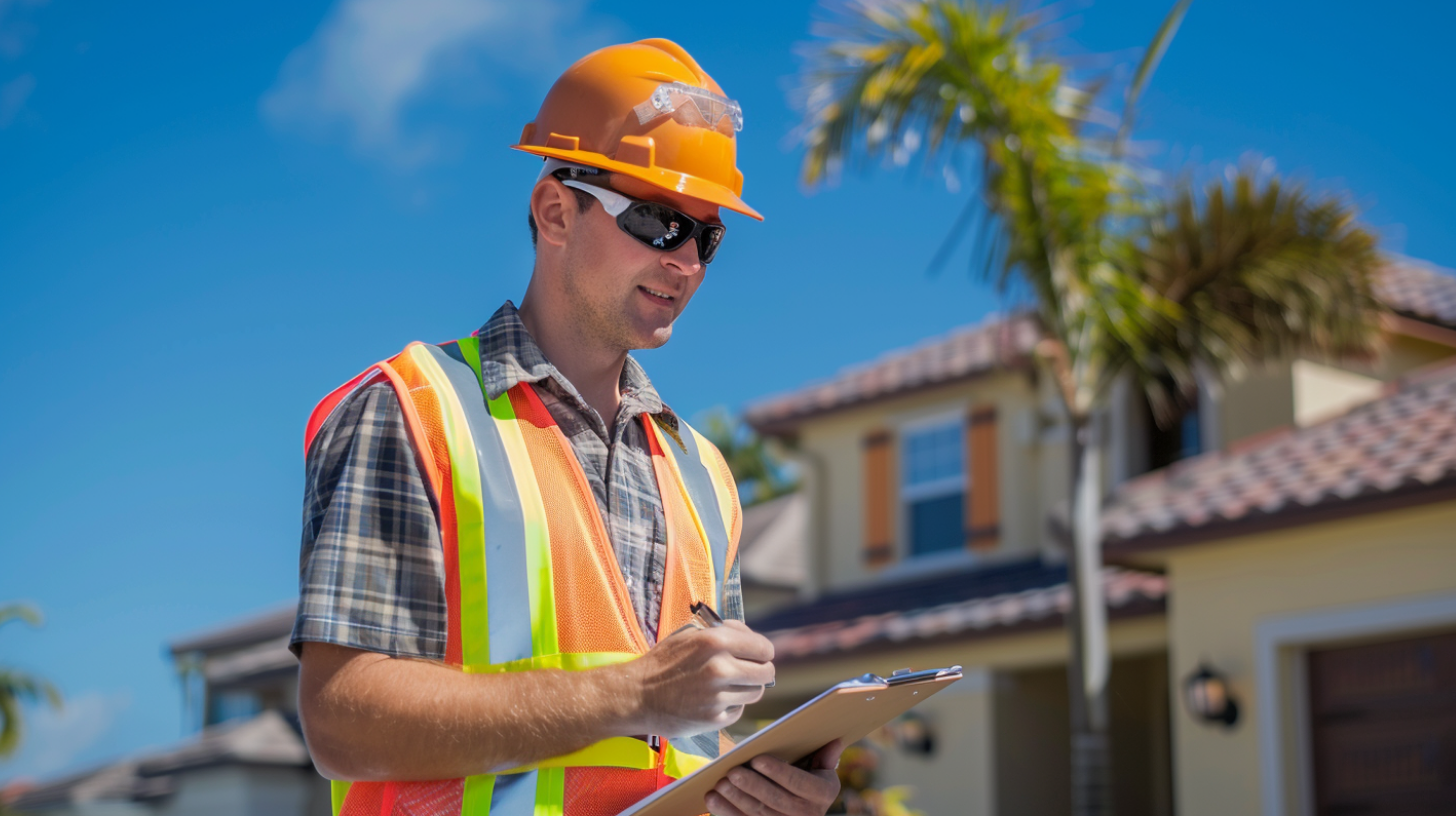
1221, 593
1256, 400
1325, 391
1283, 393
959, 777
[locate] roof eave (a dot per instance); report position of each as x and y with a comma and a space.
1332, 508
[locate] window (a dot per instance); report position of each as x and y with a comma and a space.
1182, 438
933, 486
232, 705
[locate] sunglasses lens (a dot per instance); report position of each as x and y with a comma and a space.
656, 226
708, 241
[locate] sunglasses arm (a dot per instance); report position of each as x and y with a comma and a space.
614, 203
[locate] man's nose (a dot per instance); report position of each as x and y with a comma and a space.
684, 259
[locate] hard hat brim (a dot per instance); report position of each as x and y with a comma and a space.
681, 183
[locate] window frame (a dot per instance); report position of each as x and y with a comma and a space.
908, 494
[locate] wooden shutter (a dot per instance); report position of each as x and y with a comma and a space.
879, 499
983, 494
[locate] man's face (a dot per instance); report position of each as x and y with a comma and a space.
629, 294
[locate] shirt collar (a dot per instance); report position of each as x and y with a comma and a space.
509, 356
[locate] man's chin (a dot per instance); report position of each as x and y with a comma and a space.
651, 337
657, 339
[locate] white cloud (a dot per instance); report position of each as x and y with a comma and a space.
52, 740
371, 59
12, 98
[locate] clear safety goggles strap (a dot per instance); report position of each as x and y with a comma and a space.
692, 106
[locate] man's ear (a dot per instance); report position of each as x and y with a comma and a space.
555, 210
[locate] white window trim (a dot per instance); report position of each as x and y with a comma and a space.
1275, 638
920, 422
932, 490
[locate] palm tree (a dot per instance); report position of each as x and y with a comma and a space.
18, 687
1129, 281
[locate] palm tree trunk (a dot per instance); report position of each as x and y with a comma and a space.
1087, 667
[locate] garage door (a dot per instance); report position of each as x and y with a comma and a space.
1384, 727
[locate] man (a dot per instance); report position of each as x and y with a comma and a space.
506, 537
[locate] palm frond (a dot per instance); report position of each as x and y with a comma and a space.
948, 79
1255, 268
18, 687
1144, 73
21, 612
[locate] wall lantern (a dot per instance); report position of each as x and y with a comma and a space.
911, 733
1208, 698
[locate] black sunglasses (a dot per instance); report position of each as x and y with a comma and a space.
655, 225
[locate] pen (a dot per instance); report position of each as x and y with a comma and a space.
704, 617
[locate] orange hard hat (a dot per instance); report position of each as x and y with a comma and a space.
645, 110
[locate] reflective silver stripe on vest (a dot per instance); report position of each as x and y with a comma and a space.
513, 795
505, 557
695, 478
703, 745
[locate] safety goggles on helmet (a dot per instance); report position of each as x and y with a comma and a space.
655, 225
692, 106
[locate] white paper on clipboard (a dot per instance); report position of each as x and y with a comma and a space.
848, 710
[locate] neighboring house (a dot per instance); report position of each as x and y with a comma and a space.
771, 553
1294, 531
240, 690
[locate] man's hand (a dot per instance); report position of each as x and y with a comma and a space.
772, 787
700, 679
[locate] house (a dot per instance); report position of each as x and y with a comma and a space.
1290, 540
247, 757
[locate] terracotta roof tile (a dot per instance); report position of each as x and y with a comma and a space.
996, 344
1420, 291
1404, 441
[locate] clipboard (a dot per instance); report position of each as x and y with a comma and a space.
848, 710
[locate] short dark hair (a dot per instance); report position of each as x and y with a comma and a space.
583, 203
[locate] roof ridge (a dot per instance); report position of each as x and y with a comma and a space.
996, 341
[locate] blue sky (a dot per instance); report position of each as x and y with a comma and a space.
213, 213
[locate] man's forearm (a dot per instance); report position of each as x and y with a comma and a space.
372, 717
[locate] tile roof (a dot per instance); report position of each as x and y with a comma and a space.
1000, 343
981, 600
111, 783
1416, 290
268, 739
248, 665
274, 623
1401, 444
1408, 287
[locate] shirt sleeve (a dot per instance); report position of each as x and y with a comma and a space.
371, 568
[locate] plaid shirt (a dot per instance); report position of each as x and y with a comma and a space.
371, 570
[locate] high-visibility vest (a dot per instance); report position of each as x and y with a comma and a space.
531, 579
